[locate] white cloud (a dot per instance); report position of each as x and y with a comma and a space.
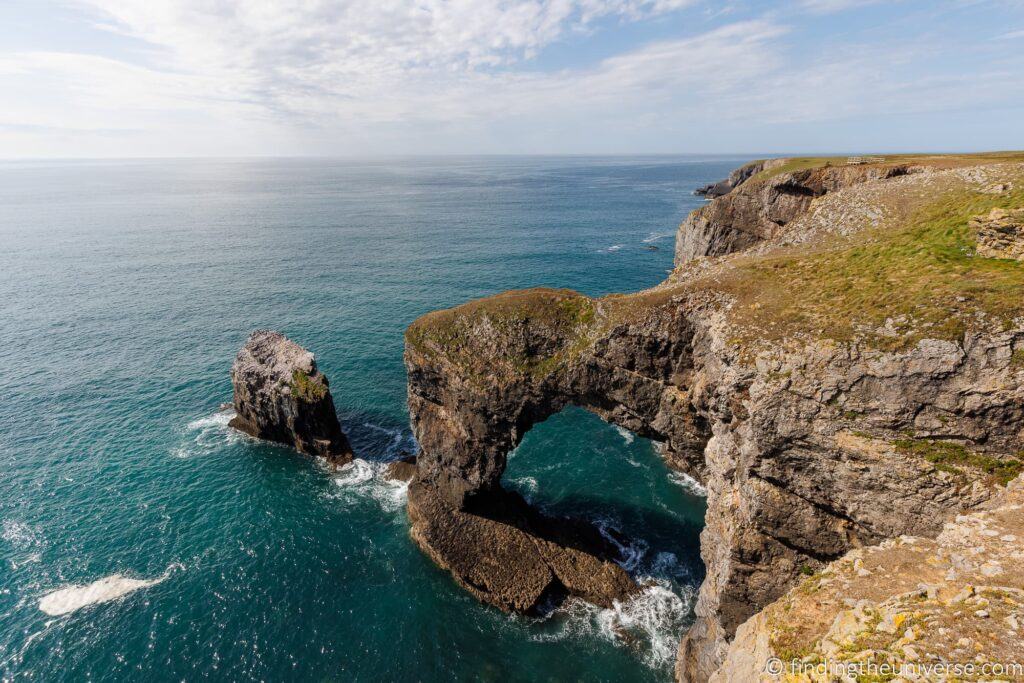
338, 76
829, 6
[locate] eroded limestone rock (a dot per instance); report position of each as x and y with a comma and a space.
280, 395
1000, 234
511, 556
909, 602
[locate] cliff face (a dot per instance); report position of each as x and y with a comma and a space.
910, 604
754, 212
280, 395
846, 370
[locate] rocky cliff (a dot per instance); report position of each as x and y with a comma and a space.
949, 608
833, 358
280, 395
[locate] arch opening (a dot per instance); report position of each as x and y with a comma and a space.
575, 465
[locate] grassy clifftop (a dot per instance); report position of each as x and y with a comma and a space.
794, 164
916, 275
910, 272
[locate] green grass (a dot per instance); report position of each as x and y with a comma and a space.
537, 330
794, 164
923, 271
951, 457
308, 388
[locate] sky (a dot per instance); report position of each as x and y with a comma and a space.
154, 78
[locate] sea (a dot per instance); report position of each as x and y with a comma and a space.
143, 540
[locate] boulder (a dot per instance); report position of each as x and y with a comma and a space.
281, 396
402, 470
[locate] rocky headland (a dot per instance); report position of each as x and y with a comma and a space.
281, 396
838, 357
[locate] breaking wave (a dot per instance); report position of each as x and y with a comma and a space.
689, 483
652, 622
626, 435
362, 480
75, 597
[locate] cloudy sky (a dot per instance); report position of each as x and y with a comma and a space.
117, 78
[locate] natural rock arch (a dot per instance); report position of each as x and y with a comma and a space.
799, 431
482, 375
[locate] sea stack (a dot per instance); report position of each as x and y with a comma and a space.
281, 396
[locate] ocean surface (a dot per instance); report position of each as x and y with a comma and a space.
140, 539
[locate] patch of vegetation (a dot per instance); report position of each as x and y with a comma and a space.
308, 388
1017, 359
950, 457
806, 570
935, 160
532, 330
922, 271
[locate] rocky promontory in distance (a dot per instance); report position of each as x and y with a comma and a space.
838, 357
281, 396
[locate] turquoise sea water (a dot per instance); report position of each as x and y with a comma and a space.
125, 290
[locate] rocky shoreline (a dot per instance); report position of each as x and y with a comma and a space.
821, 415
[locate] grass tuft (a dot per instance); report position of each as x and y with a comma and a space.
306, 387
950, 457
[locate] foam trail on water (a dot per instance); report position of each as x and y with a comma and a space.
401, 439
208, 434
626, 435
73, 598
655, 236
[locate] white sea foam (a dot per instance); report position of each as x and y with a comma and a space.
613, 248
24, 541
626, 435
632, 552
689, 483
19, 534
362, 479
206, 435
75, 597
652, 622
527, 487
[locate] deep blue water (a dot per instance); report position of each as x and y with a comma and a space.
125, 290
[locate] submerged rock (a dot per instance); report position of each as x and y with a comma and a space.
279, 395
